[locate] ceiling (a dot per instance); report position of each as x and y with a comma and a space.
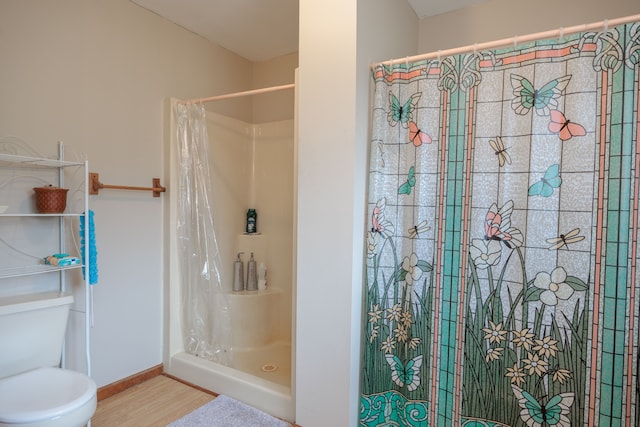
259, 30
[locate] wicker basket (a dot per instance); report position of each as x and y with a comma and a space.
51, 199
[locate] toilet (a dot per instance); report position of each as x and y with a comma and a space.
34, 391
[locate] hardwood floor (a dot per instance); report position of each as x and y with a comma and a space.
153, 403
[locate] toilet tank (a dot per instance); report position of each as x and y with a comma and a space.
32, 330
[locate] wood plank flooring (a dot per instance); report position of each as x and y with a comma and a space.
153, 403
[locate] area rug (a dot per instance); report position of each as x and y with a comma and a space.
224, 411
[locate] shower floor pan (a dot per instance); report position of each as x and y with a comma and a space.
260, 377
271, 362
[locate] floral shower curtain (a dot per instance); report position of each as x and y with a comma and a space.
502, 251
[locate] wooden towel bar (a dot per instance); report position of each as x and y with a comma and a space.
95, 186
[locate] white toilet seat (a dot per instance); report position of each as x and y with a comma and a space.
47, 397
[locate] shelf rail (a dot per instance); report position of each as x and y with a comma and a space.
95, 186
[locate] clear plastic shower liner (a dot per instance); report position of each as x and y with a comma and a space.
206, 322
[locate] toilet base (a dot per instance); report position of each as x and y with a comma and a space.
76, 418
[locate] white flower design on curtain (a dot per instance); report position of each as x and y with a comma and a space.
485, 252
410, 265
554, 286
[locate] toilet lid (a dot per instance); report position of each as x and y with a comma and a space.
42, 394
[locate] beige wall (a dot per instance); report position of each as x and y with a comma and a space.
262, 108
95, 75
274, 106
338, 41
498, 19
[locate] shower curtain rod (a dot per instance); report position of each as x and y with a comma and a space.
239, 94
513, 40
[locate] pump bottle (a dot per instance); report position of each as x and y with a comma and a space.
252, 275
238, 274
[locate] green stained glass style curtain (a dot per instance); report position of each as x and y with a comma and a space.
502, 281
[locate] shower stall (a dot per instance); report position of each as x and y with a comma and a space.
252, 166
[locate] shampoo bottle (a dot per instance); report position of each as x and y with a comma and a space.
252, 221
238, 274
252, 275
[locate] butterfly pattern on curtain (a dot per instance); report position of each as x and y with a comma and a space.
502, 250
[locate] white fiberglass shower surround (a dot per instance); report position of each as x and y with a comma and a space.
252, 166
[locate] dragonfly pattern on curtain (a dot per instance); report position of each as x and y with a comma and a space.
502, 245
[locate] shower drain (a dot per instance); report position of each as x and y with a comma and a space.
269, 367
